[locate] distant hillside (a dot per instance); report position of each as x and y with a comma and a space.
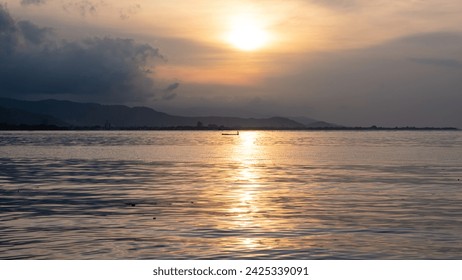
18, 117
74, 114
313, 123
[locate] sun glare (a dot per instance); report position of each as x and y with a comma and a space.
247, 34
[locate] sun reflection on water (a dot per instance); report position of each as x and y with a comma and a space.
245, 207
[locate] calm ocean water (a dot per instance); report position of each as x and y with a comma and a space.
259, 195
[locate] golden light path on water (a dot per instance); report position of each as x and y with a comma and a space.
247, 194
253, 206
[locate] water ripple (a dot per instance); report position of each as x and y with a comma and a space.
249, 200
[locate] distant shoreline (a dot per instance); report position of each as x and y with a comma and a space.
7, 127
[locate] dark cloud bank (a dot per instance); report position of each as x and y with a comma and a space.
36, 63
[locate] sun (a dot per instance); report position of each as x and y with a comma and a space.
247, 34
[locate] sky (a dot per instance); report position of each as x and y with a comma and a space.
350, 62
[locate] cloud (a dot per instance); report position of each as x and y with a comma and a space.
129, 11
8, 30
83, 7
441, 62
33, 33
336, 4
36, 62
433, 40
168, 92
90, 7
32, 2
172, 87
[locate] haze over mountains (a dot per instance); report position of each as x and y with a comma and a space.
73, 114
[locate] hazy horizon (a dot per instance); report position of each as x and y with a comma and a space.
352, 62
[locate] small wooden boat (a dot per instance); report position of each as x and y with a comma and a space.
228, 133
